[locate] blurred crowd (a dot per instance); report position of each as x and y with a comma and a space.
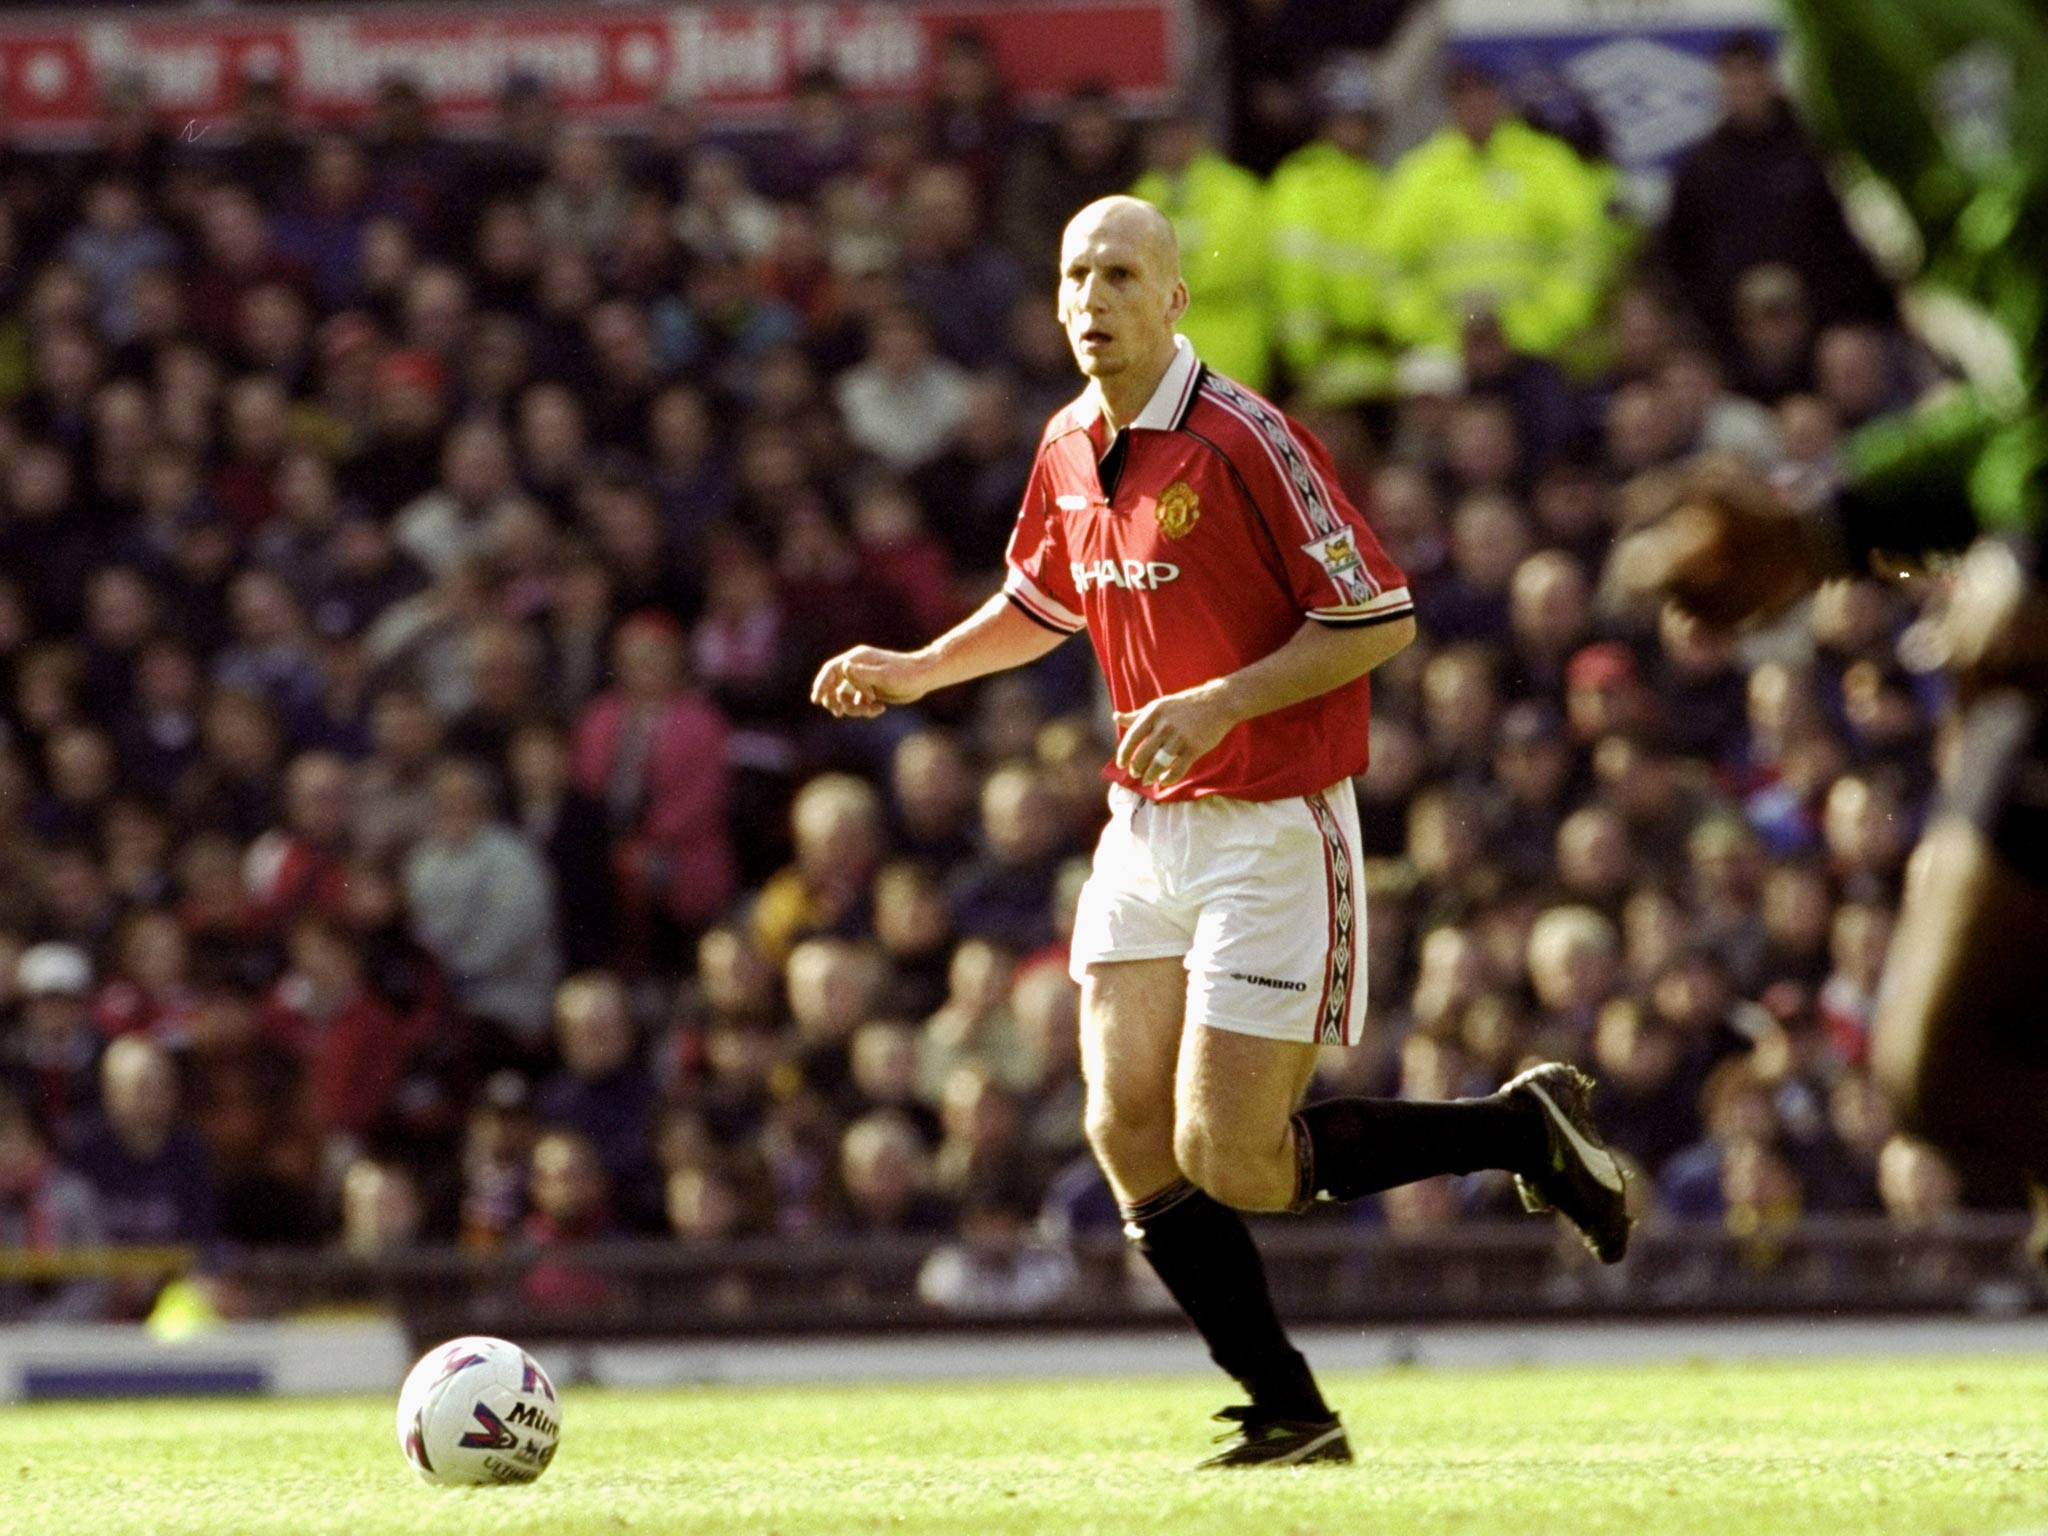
417, 548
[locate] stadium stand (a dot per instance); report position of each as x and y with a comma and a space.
415, 552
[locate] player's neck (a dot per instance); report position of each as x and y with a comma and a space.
1125, 395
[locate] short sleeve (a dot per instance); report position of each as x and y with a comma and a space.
1336, 569
1038, 579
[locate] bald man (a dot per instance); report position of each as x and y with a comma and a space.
1236, 602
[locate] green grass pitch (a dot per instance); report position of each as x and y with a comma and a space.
1919, 1448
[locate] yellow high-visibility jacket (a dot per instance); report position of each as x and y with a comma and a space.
1333, 279
1518, 225
1219, 216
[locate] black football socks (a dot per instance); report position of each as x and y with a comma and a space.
1346, 1148
1206, 1258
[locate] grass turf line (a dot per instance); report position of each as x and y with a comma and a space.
1917, 1448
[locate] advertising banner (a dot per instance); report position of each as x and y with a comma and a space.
734, 63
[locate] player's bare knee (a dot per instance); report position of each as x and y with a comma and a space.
1121, 1134
1225, 1169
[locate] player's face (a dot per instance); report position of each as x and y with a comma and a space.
1119, 297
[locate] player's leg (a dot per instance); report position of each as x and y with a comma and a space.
1957, 1042
1131, 1014
1131, 1024
1268, 982
1239, 1135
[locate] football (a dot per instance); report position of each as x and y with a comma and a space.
478, 1410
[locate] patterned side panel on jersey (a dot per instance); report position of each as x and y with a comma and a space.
1326, 529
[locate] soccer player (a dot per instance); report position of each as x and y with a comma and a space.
1236, 602
1934, 96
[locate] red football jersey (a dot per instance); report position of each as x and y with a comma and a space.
1192, 545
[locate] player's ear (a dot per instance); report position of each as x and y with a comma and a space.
1177, 301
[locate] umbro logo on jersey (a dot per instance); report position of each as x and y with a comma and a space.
1071, 503
1133, 575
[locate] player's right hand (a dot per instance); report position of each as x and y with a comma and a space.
864, 681
1725, 550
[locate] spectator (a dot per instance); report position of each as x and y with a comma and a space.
973, 1026
720, 211
571, 1209
882, 1065
1857, 941
1736, 1110
820, 142
967, 113
351, 1043
1085, 153
1489, 538
583, 197
1755, 191
147, 1166
916, 934
881, 1165
996, 1269
382, 1214
504, 666
117, 241
246, 1093
603, 1092
572, 832
1492, 207
964, 284
837, 825
982, 1132
1573, 966
150, 992
301, 865
324, 215
903, 402
482, 904
1773, 342
1045, 1010
1647, 1098
1550, 615
53, 1057
1006, 893
1330, 288
1219, 217
47, 1211
497, 1149
457, 517
656, 752
393, 789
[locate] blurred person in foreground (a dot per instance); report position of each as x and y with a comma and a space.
1956, 1040
1236, 601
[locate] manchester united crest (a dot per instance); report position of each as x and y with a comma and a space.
1178, 510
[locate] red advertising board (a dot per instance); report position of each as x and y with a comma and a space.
735, 61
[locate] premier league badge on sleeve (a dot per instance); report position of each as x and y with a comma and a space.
1337, 553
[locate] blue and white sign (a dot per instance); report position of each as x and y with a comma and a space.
1642, 68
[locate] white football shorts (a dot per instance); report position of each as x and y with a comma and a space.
1264, 901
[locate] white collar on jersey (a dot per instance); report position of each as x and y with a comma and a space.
1169, 402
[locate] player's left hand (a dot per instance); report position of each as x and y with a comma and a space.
1165, 739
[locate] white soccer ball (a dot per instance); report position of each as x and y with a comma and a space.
478, 1410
